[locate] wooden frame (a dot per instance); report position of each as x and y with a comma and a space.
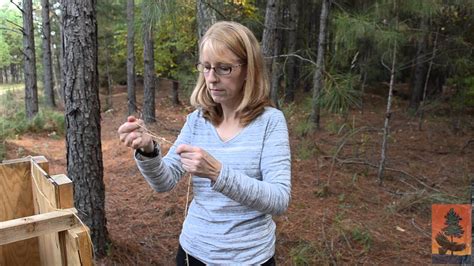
38, 222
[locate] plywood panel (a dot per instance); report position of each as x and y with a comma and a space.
16, 202
45, 200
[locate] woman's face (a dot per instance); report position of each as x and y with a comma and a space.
224, 89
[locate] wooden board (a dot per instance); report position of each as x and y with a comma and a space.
16, 200
45, 200
78, 247
36, 225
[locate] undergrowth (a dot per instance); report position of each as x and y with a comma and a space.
13, 120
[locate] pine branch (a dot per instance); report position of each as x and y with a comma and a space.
8, 29
293, 55
389, 169
20, 28
17, 6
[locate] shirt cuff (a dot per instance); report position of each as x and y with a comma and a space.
220, 183
144, 156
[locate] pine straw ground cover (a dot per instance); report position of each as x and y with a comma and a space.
338, 216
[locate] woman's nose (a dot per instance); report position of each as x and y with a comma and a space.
212, 76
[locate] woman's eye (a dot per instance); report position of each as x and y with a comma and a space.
224, 68
207, 68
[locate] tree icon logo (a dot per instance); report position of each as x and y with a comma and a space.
453, 230
451, 233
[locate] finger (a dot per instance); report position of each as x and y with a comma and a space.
186, 155
131, 119
186, 161
130, 138
186, 148
123, 136
128, 127
137, 143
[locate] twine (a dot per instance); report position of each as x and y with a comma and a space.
162, 139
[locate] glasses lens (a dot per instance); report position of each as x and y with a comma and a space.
223, 70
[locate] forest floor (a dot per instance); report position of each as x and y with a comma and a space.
338, 214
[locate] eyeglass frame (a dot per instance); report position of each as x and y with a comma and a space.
215, 71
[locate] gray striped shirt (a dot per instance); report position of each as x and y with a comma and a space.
230, 221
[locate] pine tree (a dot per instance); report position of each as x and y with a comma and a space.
452, 229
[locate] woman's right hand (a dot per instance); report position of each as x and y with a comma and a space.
132, 134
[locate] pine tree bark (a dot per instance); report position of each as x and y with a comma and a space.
47, 64
291, 81
420, 69
31, 87
318, 74
82, 110
132, 100
269, 33
149, 71
206, 14
276, 67
108, 99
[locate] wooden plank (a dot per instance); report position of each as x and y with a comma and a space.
36, 225
78, 246
64, 194
16, 202
64, 198
45, 200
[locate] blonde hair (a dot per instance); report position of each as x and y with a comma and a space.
240, 41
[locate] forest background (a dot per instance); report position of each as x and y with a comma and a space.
378, 94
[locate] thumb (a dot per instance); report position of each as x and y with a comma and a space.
131, 119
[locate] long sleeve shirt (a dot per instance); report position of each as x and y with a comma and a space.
230, 221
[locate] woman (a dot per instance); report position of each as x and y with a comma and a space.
236, 147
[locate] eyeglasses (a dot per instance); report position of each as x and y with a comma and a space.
221, 70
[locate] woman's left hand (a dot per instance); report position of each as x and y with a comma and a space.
197, 161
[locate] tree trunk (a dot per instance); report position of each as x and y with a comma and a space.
82, 109
206, 15
31, 89
291, 81
149, 75
269, 33
175, 95
15, 72
386, 128
425, 88
5, 72
318, 74
420, 69
47, 64
58, 55
108, 99
276, 67
132, 99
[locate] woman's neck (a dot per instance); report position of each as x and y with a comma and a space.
228, 115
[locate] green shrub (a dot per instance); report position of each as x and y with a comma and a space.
362, 236
304, 127
302, 254
339, 93
14, 121
306, 149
